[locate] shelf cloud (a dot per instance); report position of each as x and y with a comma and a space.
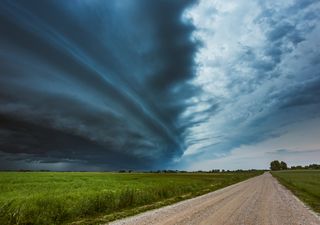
105, 85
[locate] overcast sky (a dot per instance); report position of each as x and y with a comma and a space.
140, 84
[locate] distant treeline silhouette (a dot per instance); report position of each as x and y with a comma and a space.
184, 171
309, 167
276, 165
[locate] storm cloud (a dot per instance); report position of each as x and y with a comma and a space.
101, 82
139, 84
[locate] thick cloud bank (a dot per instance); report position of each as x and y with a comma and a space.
148, 84
259, 71
93, 84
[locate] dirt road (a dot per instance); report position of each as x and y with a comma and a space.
258, 201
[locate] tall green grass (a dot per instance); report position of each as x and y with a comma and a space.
61, 197
305, 184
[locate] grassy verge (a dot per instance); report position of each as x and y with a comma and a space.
305, 184
90, 198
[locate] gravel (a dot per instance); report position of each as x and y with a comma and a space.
257, 201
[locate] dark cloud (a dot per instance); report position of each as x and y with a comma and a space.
280, 31
304, 95
286, 152
125, 84
97, 83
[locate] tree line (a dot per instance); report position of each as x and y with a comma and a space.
277, 165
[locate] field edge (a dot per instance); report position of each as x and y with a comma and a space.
105, 219
299, 194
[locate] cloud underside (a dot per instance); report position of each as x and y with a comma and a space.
104, 85
152, 84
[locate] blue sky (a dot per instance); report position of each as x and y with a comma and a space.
102, 85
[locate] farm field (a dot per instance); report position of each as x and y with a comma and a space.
304, 184
91, 197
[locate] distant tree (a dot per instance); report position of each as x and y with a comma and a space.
275, 165
283, 165
308, 167
314, 166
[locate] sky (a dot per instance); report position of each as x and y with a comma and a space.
145, 85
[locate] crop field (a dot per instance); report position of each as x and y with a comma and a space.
305, 184
90, 197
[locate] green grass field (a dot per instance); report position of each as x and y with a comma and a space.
88, 198
305, 184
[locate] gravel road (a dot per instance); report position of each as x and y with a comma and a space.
257, 201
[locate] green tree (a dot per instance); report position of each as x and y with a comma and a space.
283, 165
275, 165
